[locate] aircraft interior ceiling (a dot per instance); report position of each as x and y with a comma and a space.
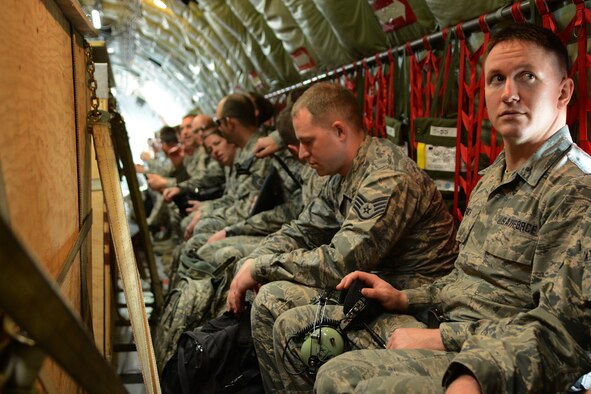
199, 50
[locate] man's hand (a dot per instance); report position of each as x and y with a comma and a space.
195, 205
156, 182
464, 384
264, 147
217, 236
377, 289
416, 338
140, 169
242, 282
170, 192
191, 226
145, 156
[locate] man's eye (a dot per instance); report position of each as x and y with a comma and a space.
527, 76
496, 79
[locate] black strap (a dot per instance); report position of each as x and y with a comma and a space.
286, 168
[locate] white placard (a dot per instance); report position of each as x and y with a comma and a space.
439, 131
440, 158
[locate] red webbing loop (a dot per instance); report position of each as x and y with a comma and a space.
351, 82
382, 100
517, 14
391, 97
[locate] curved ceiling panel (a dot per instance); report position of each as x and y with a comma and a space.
200, 50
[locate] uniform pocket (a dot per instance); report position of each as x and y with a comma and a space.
508, 243
466, 227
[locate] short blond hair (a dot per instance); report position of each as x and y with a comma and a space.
328, 102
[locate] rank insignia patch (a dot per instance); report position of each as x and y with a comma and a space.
369, 209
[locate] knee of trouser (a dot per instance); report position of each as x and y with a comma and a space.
272, 294
325, 380
261, 301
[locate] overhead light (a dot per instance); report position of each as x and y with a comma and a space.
110, 50
211, 65
160, 4
180, 76
96, 19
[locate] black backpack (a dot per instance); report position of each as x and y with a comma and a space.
217, 358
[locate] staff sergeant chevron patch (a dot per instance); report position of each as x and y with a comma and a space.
369, 209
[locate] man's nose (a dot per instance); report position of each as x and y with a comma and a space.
510, 91
303, 153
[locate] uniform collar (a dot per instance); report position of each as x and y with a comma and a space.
543, 159
359, 159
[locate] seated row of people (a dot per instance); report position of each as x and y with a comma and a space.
514, 299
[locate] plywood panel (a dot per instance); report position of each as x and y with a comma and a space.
38, 140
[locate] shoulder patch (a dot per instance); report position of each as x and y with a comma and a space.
368, 209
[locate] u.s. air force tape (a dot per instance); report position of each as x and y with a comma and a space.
368, 209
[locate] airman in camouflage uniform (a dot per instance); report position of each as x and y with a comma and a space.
516, 308
378, 211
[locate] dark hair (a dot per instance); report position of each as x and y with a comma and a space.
328, 102
212, 131
534, 34
168, 135
265, 107
239, 106
285, 127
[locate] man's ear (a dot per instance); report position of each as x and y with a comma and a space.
294, 149
567, 87
340, 128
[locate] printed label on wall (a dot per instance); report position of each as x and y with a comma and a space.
444, 185
393, 14
439, 131
391, 131
302, 59
255, 80
440, 158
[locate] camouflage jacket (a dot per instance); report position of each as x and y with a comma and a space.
271, 220
204, 171
243, 184
519, 297
385, 215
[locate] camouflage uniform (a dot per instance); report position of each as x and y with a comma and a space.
205, 172
517, 302
385, 215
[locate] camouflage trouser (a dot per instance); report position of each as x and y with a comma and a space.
192, 256
183, 310
286, 345
210, 225
232, 247
384, 371
272, 300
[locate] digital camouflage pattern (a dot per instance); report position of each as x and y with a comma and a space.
386, 215
242, 186
269, 221
204, 171
347, 227
178, 309
519, 297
